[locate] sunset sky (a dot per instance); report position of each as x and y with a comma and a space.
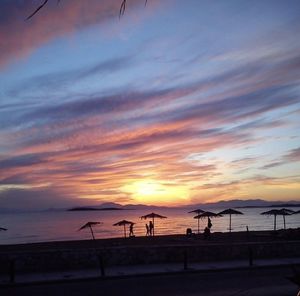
177, 102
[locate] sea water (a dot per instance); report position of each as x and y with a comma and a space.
64, 225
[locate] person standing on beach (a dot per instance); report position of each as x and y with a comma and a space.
151, 226
131, 230
209, 224
147, 230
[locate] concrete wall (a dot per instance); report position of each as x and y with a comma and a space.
88, 258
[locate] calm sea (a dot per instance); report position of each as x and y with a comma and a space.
64, 225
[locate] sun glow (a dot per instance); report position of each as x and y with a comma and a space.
148, 188
156, 192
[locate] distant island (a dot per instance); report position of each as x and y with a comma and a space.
283, 205
236, 203
94, 209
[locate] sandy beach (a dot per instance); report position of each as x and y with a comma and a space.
162, 240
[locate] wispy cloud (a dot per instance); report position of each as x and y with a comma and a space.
291, 157
150, 108
19, 38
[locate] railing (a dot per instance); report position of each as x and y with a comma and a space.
102, 259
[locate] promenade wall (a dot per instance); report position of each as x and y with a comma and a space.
66, 259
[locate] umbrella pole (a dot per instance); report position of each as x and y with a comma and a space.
229, 222
153, 226
92, 232
274, 222
198, 225
124, 231
284, 220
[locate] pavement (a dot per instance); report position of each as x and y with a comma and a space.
257, 281
141, 271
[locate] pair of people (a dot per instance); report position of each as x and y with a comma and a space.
149, 229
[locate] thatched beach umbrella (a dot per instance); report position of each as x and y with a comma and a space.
230, 212
286, 212
297, 212
123, 223
153, 216
275, 213
90, 226
198, 212
207, 215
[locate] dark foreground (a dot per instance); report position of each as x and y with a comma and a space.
259, 282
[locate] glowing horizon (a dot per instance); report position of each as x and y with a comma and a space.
173, 104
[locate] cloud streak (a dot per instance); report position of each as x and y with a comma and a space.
19, 38
202, 122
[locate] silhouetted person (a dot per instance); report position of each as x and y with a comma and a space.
206, 233
209, 224
147, 230
131, 230
189, 232
151, 226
